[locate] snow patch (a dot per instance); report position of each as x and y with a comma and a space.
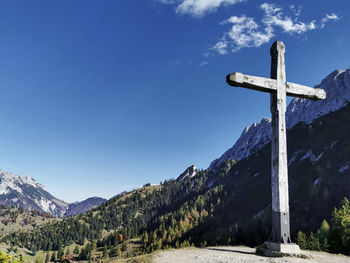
211, 183
293, 158
344, 168
332, 145
45, 204
316, 181
311, 156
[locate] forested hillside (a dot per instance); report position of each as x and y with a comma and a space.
229, 206
18, 218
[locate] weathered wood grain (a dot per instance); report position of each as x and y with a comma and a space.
237, 79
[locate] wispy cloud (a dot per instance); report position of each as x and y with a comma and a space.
246, 32
168, 1
203, 63
199, 8
274, 18
328, 18
174, 62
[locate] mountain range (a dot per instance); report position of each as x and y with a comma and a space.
229, 203
24, 191
257, 135
16, 190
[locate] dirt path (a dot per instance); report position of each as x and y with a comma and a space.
238, 255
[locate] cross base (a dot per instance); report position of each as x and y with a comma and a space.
273, 249
280, 228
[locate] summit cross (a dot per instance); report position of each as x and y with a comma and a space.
278, 88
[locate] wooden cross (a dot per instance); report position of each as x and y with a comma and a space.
278, 89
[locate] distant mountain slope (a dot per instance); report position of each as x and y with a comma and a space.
16, 190
20, 191
252, 139
17, 218
229, 206
256, 136
83, 206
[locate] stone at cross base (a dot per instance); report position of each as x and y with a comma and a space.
279, 242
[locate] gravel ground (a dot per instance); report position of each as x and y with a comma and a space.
238, 255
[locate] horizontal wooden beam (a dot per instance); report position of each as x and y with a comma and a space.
237, 79
305, 92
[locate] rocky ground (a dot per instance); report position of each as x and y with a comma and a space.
238, 255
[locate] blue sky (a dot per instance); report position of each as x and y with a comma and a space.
98, 97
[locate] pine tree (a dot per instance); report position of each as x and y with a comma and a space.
145, 238
339, 233
313, 242
118, 251
105, 253
124, 246
60, 253
323, 235
76, 250
85, 252
154, 236
54, 256
302, 240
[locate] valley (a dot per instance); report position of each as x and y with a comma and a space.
227, 204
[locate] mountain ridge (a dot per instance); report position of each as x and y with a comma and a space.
77, 208
257, 135
227, 207
26, 192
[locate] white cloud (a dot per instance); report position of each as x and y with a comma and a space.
221, 47
274, 17
203, 63
199, 8
246, 32
327, 18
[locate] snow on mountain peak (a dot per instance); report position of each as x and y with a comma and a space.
13, 181
24, 191
9, 182
257, 135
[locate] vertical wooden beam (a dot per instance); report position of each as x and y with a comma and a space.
279, 166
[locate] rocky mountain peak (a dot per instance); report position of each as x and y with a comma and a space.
10, 181
252, 139
337, 87
257, 135
188, 173
26, 192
